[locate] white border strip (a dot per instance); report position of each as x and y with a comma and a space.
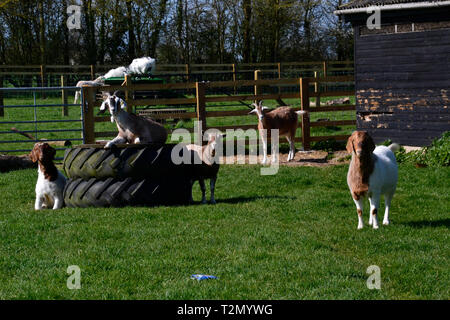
416, 5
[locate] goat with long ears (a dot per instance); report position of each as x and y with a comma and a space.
284, 119
373, 171
132, 128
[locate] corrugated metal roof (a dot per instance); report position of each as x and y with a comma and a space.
367, 3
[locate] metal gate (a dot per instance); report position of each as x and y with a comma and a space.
30, 115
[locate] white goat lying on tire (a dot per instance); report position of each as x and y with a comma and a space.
132, 128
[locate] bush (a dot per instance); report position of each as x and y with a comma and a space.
435, 155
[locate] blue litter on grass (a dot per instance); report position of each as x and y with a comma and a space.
202, 277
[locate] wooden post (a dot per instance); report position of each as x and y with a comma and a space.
304, 96
92, 72
187, 71
279, 76
200, 89
316, 90
2, 110
257, 88
234, 75
325, 71
43, 80
65, 108
127, 83
88, 114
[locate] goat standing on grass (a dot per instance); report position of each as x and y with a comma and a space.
208, 166
285, 119
372, 172
132, 128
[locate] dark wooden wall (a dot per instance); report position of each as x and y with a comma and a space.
402, 83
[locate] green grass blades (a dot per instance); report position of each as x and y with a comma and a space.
288, 236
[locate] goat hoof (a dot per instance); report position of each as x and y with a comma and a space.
360, 227
204, 202
213, 201
386, 223
375, 227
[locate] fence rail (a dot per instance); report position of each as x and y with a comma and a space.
201, 99
46, 75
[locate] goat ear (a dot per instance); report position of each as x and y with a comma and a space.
123, 104
264, 108
349, 146
253, 111
371, 143
103, 106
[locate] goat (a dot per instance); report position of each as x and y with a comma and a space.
94, 83
116, 73
142, 66
373, 171
285, 119
51, 182
132, 128
209, 166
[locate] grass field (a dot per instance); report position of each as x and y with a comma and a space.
288, 236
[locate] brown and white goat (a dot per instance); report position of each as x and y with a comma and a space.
372, 172
132, 128
206, 164
284, 119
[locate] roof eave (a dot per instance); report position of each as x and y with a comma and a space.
399, 6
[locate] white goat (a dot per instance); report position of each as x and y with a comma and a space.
208, 166
285, 119
372, 172
132, 128
142, 66
116, 73
93, 83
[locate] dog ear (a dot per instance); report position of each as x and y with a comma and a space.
33, 154
349, 146
49, 151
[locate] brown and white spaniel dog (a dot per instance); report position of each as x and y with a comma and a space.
51, 182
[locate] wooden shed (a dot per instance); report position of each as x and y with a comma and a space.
402, 68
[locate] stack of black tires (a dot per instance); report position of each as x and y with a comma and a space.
131, 175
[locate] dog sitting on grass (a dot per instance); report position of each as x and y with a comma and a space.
51, 182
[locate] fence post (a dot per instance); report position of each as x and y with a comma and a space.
2, 110
257, 88
65, 109
88, 100
304, 96
316, 90
234, 75
43, 80
92, 72
127, 83
187, 70
201, 110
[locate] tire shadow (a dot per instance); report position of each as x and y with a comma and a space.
252, 199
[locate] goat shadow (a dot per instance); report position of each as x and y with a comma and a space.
431, 224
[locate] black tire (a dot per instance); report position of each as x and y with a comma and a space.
80, 193
135, 161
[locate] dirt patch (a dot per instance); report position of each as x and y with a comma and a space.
302, 158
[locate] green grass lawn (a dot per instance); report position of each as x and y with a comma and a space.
288, 236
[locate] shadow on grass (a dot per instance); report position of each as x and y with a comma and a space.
254, 198
432, 224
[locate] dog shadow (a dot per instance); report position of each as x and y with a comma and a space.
429, 224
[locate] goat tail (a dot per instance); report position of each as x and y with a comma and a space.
394, 147
301, 112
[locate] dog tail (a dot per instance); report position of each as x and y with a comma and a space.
394, 147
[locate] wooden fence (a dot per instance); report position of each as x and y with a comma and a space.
187, 71
201, 99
